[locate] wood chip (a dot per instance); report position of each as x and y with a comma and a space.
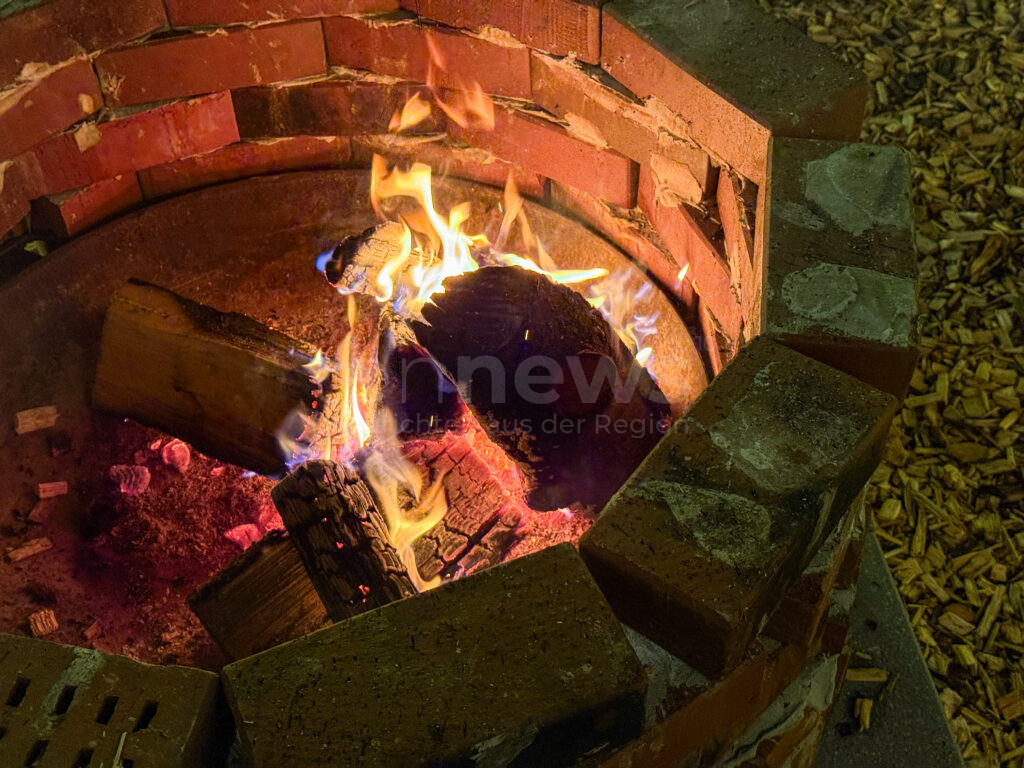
34, 419
43, 623
49, 490
862, 711
866, 675
28, 549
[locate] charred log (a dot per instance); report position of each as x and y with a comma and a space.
342, 538
222, 382
263, 598
357, 261
499, 328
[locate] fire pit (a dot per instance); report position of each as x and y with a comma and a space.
387, 393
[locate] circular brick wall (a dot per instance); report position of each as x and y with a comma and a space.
703, 136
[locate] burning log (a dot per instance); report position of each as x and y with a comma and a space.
581, 427
356, 263
222, 382
264, 597
342, 538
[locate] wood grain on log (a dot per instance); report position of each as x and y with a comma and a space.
342, 538
222, 382
262, 598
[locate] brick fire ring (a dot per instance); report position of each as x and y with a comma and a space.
728, 131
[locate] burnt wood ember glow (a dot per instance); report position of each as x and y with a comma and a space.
454, 384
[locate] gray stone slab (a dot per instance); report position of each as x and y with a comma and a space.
908, 727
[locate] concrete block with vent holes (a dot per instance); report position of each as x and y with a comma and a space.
67, 707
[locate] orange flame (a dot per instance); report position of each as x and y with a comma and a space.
411, 114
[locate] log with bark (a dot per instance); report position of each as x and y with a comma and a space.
262, 598
549, 379
221, 381
341, 535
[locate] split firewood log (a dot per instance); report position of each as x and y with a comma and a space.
262, 598
221, 381
341, 535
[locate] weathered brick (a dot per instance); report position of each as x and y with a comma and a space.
632, 233
590, 98
14, 205
244, 159
75, 706
692, 239
447, 159
840, 265
49, 101
700, 545
56, 31
68, 213
545, 147
737, 72
194, 13
737, 201
334, 106
119, 145
560, 27
486, 660
192, 64
401, 47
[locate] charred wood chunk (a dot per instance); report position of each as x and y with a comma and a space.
548, 378
262, 598
222, 382
342, 537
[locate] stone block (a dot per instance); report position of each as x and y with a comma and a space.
840, 264
519, 665
701, 543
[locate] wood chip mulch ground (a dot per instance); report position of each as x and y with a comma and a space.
948, 85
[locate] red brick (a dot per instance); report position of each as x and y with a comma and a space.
194, 13
546, 148
49, 102
688, 241
69, 213
335, 106
124, 144
60, 30
447, 160
567, 90
249, 158
560, 27
197, 63
677, 54
632, 233
521, 661
165, 716
400, 48
14, 204
702, 542
737, 206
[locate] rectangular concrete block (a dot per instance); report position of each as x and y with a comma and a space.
840, 267
701, 543
67, 706
523, 664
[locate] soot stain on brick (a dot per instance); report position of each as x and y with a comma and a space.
860, 187
851, 300
733, 528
